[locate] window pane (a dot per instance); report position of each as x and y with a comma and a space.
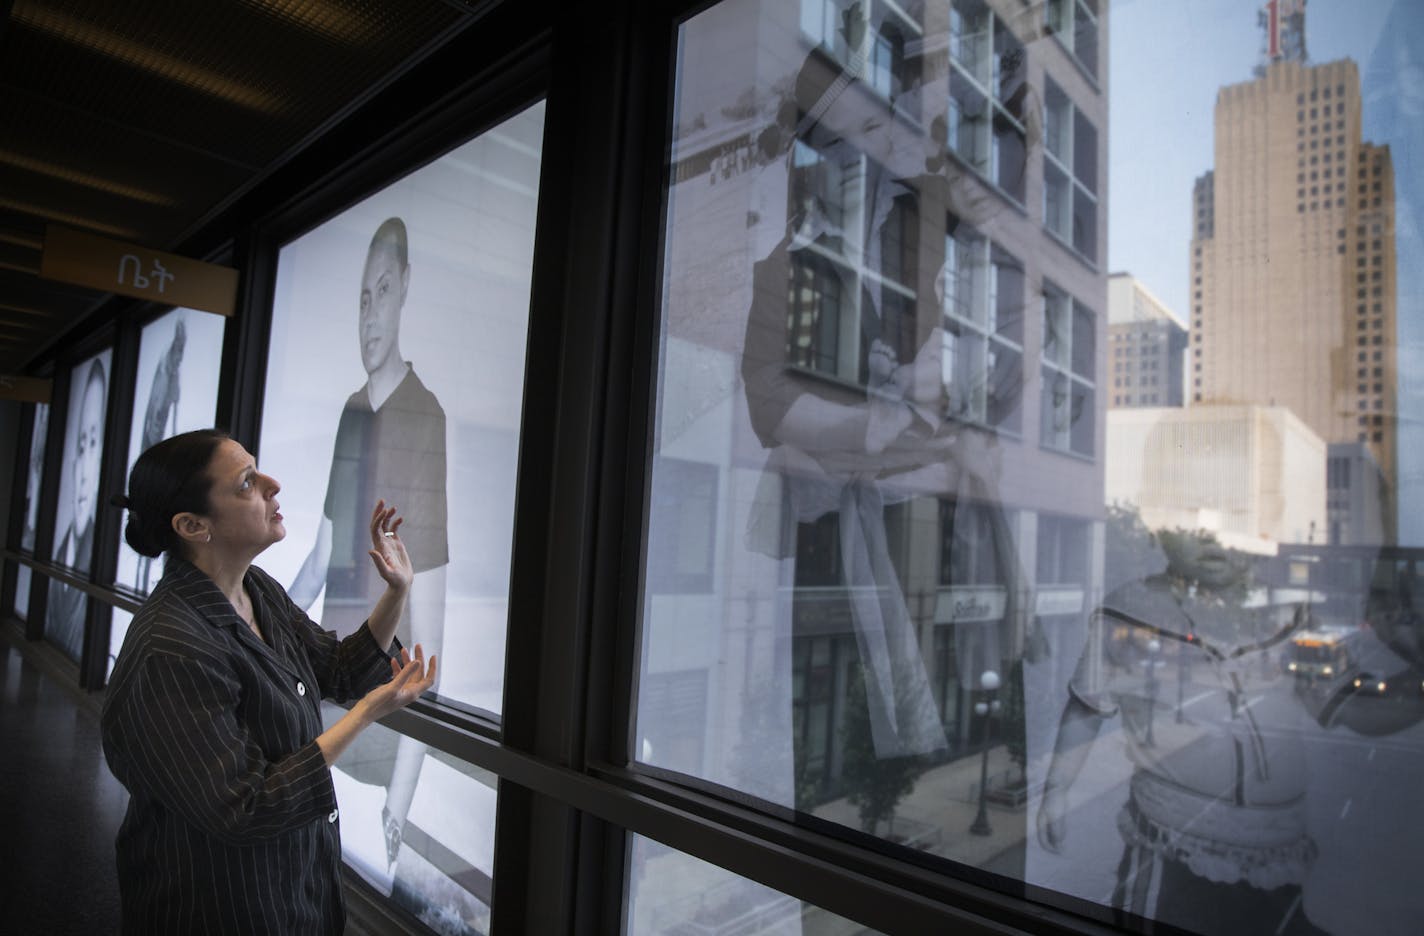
973, 594
969, 37
672, 892
1085, 224
1057, 122
78, 499
969, 115
34, 474
1057, 201
396, 371
1009, 64
1085, 152
436, 863
1009, 156
179, 360
1085, 38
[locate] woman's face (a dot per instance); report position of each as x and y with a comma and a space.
86, 455
242, 503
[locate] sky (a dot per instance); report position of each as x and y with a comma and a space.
1167, 60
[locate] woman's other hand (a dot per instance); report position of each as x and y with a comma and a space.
410, 678
387, 551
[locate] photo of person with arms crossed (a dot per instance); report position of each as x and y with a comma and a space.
213, 717
390, 442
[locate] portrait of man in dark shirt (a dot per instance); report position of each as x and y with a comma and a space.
390, 445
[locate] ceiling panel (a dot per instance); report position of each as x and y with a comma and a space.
135, 120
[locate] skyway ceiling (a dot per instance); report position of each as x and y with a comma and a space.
142, 119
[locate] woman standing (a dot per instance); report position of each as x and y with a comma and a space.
213, 716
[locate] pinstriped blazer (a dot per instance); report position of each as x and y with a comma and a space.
232, 824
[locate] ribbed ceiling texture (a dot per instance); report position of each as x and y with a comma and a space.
138, 119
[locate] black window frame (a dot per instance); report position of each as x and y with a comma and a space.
567, 791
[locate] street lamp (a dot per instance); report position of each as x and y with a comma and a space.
1154, 646
1181, 677
984, 708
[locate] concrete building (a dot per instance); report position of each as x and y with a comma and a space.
1293, 259
1253, 475
1356, 496
1147, 346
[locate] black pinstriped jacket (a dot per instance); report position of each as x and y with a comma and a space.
232, 818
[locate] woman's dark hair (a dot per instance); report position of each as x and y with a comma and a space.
168, 479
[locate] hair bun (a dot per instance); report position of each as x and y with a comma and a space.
142, 538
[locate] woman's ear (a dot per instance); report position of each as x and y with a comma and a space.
191, 528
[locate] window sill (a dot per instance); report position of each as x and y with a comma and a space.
989, 184
1069, 453
1072, 56
1073, 251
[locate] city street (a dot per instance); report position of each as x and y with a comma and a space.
1360, 789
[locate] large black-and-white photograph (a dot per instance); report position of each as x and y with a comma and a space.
78, 498
33, 476
396, 373
179, 358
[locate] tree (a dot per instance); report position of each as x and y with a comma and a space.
1132, 552
876, 784
1013, 723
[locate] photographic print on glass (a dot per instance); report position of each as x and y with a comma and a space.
34, 473
396, 372
78, 498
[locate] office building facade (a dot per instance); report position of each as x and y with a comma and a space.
1292, 263
1147, 346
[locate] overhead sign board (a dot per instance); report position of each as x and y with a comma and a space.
25, 389
130, 270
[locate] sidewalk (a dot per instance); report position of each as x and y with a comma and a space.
936, 815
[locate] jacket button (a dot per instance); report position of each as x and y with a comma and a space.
301, 688
331, 817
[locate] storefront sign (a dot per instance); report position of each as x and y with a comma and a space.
1051, 601
970, 603
130, 270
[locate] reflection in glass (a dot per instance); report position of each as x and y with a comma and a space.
672, 892
1009, 561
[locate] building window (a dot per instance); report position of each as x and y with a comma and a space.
883, 47
1067, 393
1070, 173
987, 90
1075, 23
982, 297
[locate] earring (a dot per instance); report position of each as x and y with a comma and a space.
208, 539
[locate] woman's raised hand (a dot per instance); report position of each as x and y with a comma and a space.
410, 678
387, 551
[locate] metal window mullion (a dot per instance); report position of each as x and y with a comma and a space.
894, 7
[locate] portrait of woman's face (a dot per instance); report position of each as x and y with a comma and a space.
88, 441
32, 486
